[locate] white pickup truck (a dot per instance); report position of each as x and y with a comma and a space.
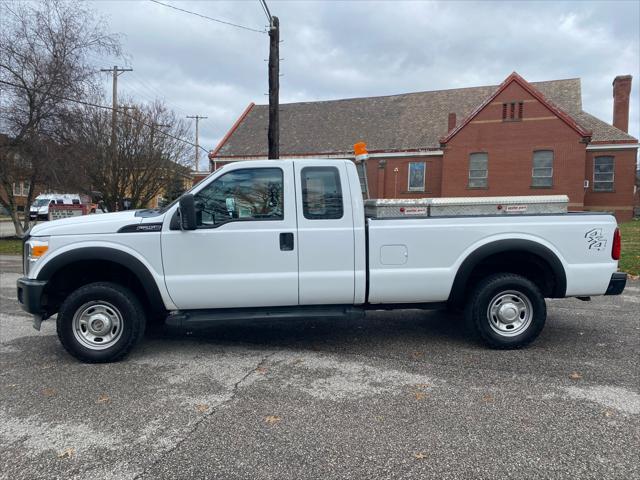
290, 238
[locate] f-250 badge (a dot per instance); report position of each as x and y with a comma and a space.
595, 239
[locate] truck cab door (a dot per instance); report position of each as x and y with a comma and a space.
325, 234
244, 251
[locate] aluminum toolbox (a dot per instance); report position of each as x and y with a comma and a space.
397, 207
471, 206
466, 206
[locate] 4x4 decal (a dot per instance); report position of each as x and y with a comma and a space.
595, 239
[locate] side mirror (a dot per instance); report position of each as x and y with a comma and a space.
187, 212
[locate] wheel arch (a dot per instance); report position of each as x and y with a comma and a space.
520, 252
133, 269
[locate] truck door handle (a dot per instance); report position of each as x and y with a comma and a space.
286, 241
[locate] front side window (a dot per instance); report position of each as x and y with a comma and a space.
416, 176
542, 171
478, 170
321, 193
247, 194
603, 174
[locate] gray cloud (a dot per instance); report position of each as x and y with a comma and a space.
351, 49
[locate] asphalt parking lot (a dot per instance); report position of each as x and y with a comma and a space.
394, 395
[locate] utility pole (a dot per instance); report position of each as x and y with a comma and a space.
273, 135
114, 108
197, 119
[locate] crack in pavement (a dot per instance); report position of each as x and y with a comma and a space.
214, 409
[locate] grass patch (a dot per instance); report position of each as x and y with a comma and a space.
10, 246
630, 257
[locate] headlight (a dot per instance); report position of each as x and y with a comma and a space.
35, 249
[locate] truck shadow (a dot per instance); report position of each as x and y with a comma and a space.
376, 330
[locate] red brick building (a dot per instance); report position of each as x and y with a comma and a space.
518, 138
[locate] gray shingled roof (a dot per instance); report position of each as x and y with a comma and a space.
602, 131
409, 121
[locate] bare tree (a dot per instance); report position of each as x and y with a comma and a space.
44, 65
150, 154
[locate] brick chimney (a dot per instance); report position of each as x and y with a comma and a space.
621, 93
452, 120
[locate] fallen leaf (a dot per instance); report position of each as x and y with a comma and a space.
420, 455
272, 419
261, 370
608, 413
420, 395
104, 398
487, 398
67, 453
201, 407
575, 376
49, 392
417, 355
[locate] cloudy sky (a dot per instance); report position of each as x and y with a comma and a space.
342, 49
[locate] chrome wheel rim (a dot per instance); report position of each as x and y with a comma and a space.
510, 313
97, 325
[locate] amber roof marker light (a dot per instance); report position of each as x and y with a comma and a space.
361, 154
360, 150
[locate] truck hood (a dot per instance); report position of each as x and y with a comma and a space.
88, 224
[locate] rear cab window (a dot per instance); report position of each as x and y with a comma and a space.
321, 193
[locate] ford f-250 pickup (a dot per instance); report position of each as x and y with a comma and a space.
290, 238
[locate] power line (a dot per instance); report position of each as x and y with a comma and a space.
264, 6
104, 107
209, 18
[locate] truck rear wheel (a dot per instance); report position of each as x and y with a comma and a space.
100, 322
506, 311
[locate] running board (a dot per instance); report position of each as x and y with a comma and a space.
196, 318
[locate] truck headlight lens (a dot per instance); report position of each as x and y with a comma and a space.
36, 249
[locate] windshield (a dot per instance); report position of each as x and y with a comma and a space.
167, 207
41, 202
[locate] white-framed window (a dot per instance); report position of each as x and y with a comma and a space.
415, 181
21, 189
542, 170
478, 170
603, 174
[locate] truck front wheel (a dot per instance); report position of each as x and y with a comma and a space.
506, 311
100, 322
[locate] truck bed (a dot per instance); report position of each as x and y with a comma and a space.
417, 259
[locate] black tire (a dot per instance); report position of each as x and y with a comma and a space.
120, 306
517, 295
